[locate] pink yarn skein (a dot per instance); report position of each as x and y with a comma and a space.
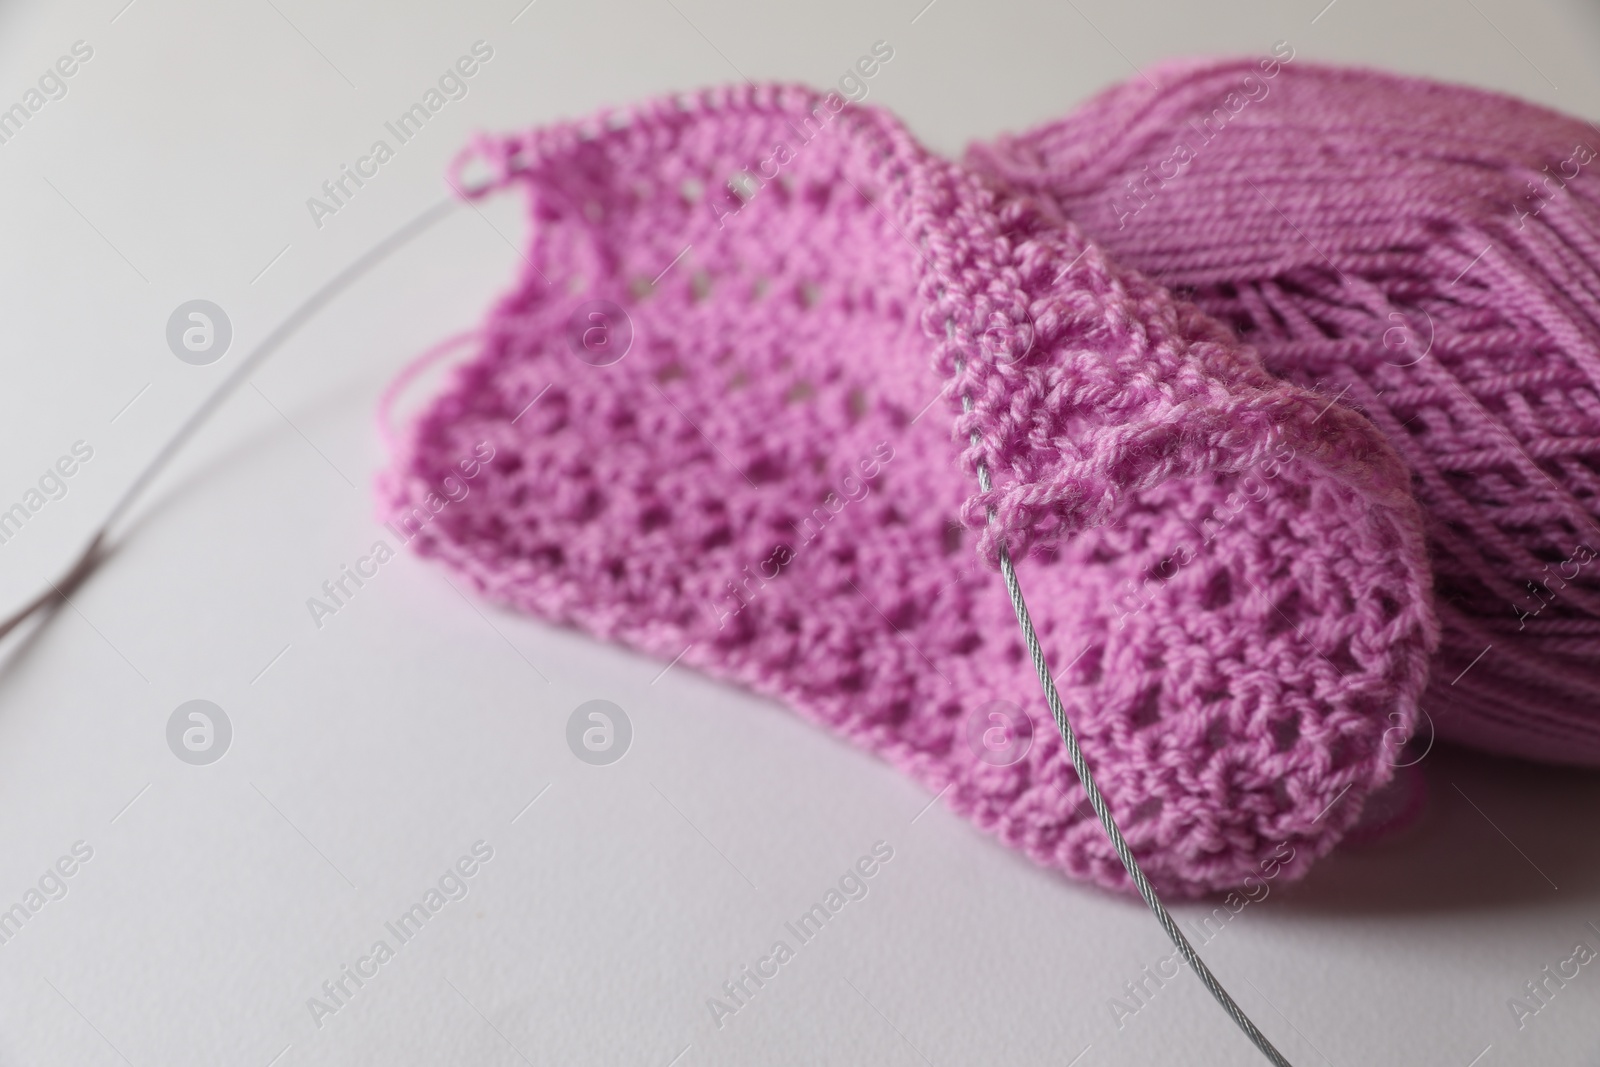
726, 426
1427, 254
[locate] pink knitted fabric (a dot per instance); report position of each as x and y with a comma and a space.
1427, 254
775, 481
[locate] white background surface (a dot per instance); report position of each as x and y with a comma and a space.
374, 752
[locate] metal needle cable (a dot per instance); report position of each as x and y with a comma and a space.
1096, 801
90, 557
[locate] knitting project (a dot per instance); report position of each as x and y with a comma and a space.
724, 400
1428, 254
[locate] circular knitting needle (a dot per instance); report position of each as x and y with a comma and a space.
91, 555
1096, 801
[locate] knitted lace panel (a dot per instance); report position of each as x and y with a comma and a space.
776, 477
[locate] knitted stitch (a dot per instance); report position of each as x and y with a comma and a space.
775, 481
1427, 254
